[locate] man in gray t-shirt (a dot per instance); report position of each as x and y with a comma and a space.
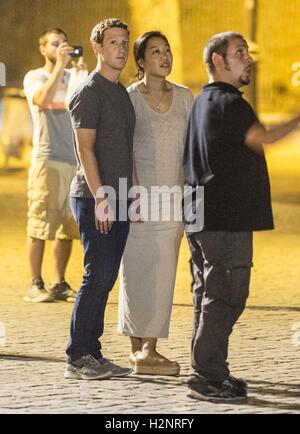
103, 120
104, 106
53, 165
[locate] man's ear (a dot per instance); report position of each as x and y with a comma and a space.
42, 49
218, 61
96, 47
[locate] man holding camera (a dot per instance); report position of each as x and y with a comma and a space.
52, 167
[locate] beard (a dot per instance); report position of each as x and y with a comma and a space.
245, 79
227, 67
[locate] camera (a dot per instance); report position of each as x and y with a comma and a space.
78, 51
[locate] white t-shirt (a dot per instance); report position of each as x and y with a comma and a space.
52, 128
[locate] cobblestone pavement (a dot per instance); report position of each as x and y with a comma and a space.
32, 365
264, 350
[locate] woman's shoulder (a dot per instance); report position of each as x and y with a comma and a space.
133, 88
183, 90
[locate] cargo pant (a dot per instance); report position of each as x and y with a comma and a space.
221, 264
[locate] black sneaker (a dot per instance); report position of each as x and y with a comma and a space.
237, 382
216, 392
37, 293
63, 292
87, 368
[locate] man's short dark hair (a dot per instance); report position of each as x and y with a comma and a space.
97, 34
44, 36
218, 44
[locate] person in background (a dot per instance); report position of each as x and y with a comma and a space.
52, 168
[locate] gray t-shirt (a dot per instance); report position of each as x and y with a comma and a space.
104, 106
52, 128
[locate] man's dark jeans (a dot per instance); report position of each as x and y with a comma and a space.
221, 264
102, 257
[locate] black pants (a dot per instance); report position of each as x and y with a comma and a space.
221, 264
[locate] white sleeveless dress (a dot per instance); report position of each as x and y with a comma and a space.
149, 264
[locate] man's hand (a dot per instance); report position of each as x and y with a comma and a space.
63, 54
80, 65
45, 95
258, 134
135, 210
104, 216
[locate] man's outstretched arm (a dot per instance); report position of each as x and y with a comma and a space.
258, 134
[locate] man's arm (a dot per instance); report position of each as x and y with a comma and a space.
258, 134
78, 73
46, 94
85, 140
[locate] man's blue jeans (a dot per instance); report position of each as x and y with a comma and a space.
102, 257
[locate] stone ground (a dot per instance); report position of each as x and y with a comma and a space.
265, 345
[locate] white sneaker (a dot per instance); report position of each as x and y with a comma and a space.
37, 293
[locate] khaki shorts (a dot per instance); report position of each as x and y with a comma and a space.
49, 213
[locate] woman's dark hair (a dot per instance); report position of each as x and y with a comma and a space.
140, 46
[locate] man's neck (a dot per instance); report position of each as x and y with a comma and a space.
49, 66
222, 79
108, 73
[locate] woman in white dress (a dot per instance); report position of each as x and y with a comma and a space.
150, 259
